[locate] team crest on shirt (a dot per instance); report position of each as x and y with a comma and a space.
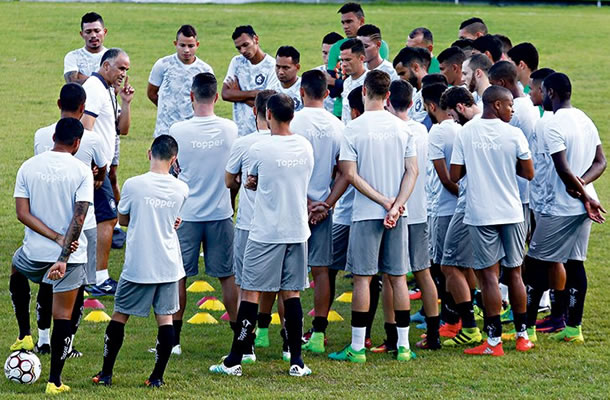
418, 105
259, 79
297, 103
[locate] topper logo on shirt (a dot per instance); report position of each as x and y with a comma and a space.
380, 135
291, 163
207, 144
259, 79
486, 146
158, 203
317, 133
51, 178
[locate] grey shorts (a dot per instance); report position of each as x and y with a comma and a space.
271, 267
457, 251
36, 271
373, 248
137, 298
559, 239
418, 247
239, 249
340, 239
431, 233
498, 243
441, 224
91, 235
217, 240
320, 243
117, 151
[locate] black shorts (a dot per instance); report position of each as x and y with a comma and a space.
103, 201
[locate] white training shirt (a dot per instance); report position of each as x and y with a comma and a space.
174, 80
53, 182
379, 143
433, 189
153, 202
460, 206
571, 130
329, 102
441, 140
489, 149
543, 163
388, 68
284, 165
349, 84
325, 132
251, 77
83, 61
525, 117
204, 144
417, 204
293, 91
239, 161
417, 112
102, 104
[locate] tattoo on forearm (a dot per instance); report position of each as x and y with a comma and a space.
75, 228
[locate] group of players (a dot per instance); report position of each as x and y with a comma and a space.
360, 164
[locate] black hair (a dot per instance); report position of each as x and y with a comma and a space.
377, 83
561, 85
67, 130
525, 52
260, 101
314, 84
164, 147
409, 55
425, 32
371, 31
111, 55
331, 38
281, 107
452, 55
240, 30
432, 93
434, 78
289, 51
355, 99
351, 7
495, 93
464, 44
506, 42
491, 44
503, 70
474, 25
72, 96
354, 45
89, 18
401, 95
187, 31
480, 61
204, 86
456, 95
541, 74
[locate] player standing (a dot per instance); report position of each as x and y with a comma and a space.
472, 28
81, 63
287, 66
474, 72
525, 57
450, 61
352, 63
422, 37
370, 36
411, 64
327, 42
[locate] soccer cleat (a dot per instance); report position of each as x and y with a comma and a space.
42, 349
449, 330
569, 334
296, 370
506, 315
262, 337
245, 358
404, 354
349, 354
478, 313
52, 389
368, 343
285, 356
418, 317
106, 288
512, 335
524, 344
23, 344
74, 353
550, 324
223, 369
424, 344
414, 294
383, 348
465, 336
423, 326
315, 344
103, 380
486, 349
154, 383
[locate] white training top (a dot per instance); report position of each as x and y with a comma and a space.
293, 91
441, 140
417, 112
349, 84
239, 161
325, 132
329, 102
153, 202
284, 165
489, 149
102, 104
525, 116
204, 144
543, 163
174, 80
417, 204
571, 130
379, 143
388, 68
53, 182
251, 77
83, 61
460, 206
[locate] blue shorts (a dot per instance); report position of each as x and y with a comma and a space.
103, 201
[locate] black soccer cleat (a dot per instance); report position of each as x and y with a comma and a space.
44, 349
102, 380
154, 383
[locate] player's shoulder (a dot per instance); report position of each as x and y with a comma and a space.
417, 128
74, 53
45, 131
226, 124
202, 65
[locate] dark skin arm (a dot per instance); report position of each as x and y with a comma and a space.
525, 169
231, 91
75, 76
597, 168
443, 174
457, 172
58, 269
152, 92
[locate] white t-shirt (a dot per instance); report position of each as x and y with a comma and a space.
460, 207
388, 68
174, 80
83, 61
153, 202
239, 161
417, 112
293, 91
251, 77
489, 149
417, 204
53, 182
525, 117
441, 140
571, 130
543, 163
342, 213
378, 142
433, 189
284, 165
102, 104
325, 132
329, 102
204, 144
349, 84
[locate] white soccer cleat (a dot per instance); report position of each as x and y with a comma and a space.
222, 369
177, 350
295, 370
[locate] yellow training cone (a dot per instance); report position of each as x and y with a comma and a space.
334, 316
275, 319
200, 286
97, 316
346, 297
214, 305
202, 318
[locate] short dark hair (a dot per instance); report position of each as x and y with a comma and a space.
370, 30
289, 51
409, 55
503, 70
314, 84
456, 95
260, 101
560, 83
355, 99
464, 44
281, 107
187, 31
506, 42
401, 95
111, 55
452, 55
351, 7
72, 96
434, 78
204, 86
354, 45
541, 74
525, 52
495, 93
425, 32
491, 44
240, 30
432, 93
89, 18
67, 130
474, 25
377, 83
164, 147
331, 38
480, 61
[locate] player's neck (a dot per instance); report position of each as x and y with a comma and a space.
262, 125
159, 166
280, 128
561, 104
359, 73
373, 104
258, 57
482, 86
312, 103
287, 85
94, 51
61, 148
70, 114
203, 110
403, 115
188, 62
371, 65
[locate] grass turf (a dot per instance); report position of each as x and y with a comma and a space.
35, 38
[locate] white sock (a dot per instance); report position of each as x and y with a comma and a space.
43, 336
101, 276
494, 341
523, 334
358, 335
71, 343
403, 337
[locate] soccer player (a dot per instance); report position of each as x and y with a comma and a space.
248, 73
169, 83
276, 253
489, 45
205, 142
370, 36
460, 104
491, 153
79, 64
474, 75
506, 45
53, 191
379, 235
327, 42
422, 37
450, 61
101, 115
472, 28
563, 228
352, 63
411, 64
525, 57
287, 66
150, 208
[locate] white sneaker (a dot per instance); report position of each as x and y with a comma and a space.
295, 370
222, 369
177, 350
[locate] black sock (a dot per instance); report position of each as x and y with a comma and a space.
403, 318
448, 309
576, 286
165, 340
60, 343
44, 306
320, 324
294, 329
359, 319
250, 348
520, 321
284, 337
559, 304
264, 319
332, 277
374, 290
432, 326
466, 312
20, 295
391, 335
536, 282
177, 330
77, 312
113, 340
246, 321
493, 326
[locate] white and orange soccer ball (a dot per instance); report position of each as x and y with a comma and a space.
22, 367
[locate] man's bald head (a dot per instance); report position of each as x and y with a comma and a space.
498, 103
495, 93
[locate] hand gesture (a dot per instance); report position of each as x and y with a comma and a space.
61, 240
127, 91
391, 217
57, 271
317, 211
595, 210
251, 182
177, 222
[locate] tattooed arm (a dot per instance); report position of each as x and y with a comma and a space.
58, 269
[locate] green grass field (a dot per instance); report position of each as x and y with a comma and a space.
34, 39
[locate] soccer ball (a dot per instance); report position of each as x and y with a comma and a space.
22, 367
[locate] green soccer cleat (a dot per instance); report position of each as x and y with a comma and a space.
262, 337
478, 313
405, 354
466, 336
315, 344
52, 389
224, 370
23, 344
506, 315
511, 335
572, 334
348, 354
